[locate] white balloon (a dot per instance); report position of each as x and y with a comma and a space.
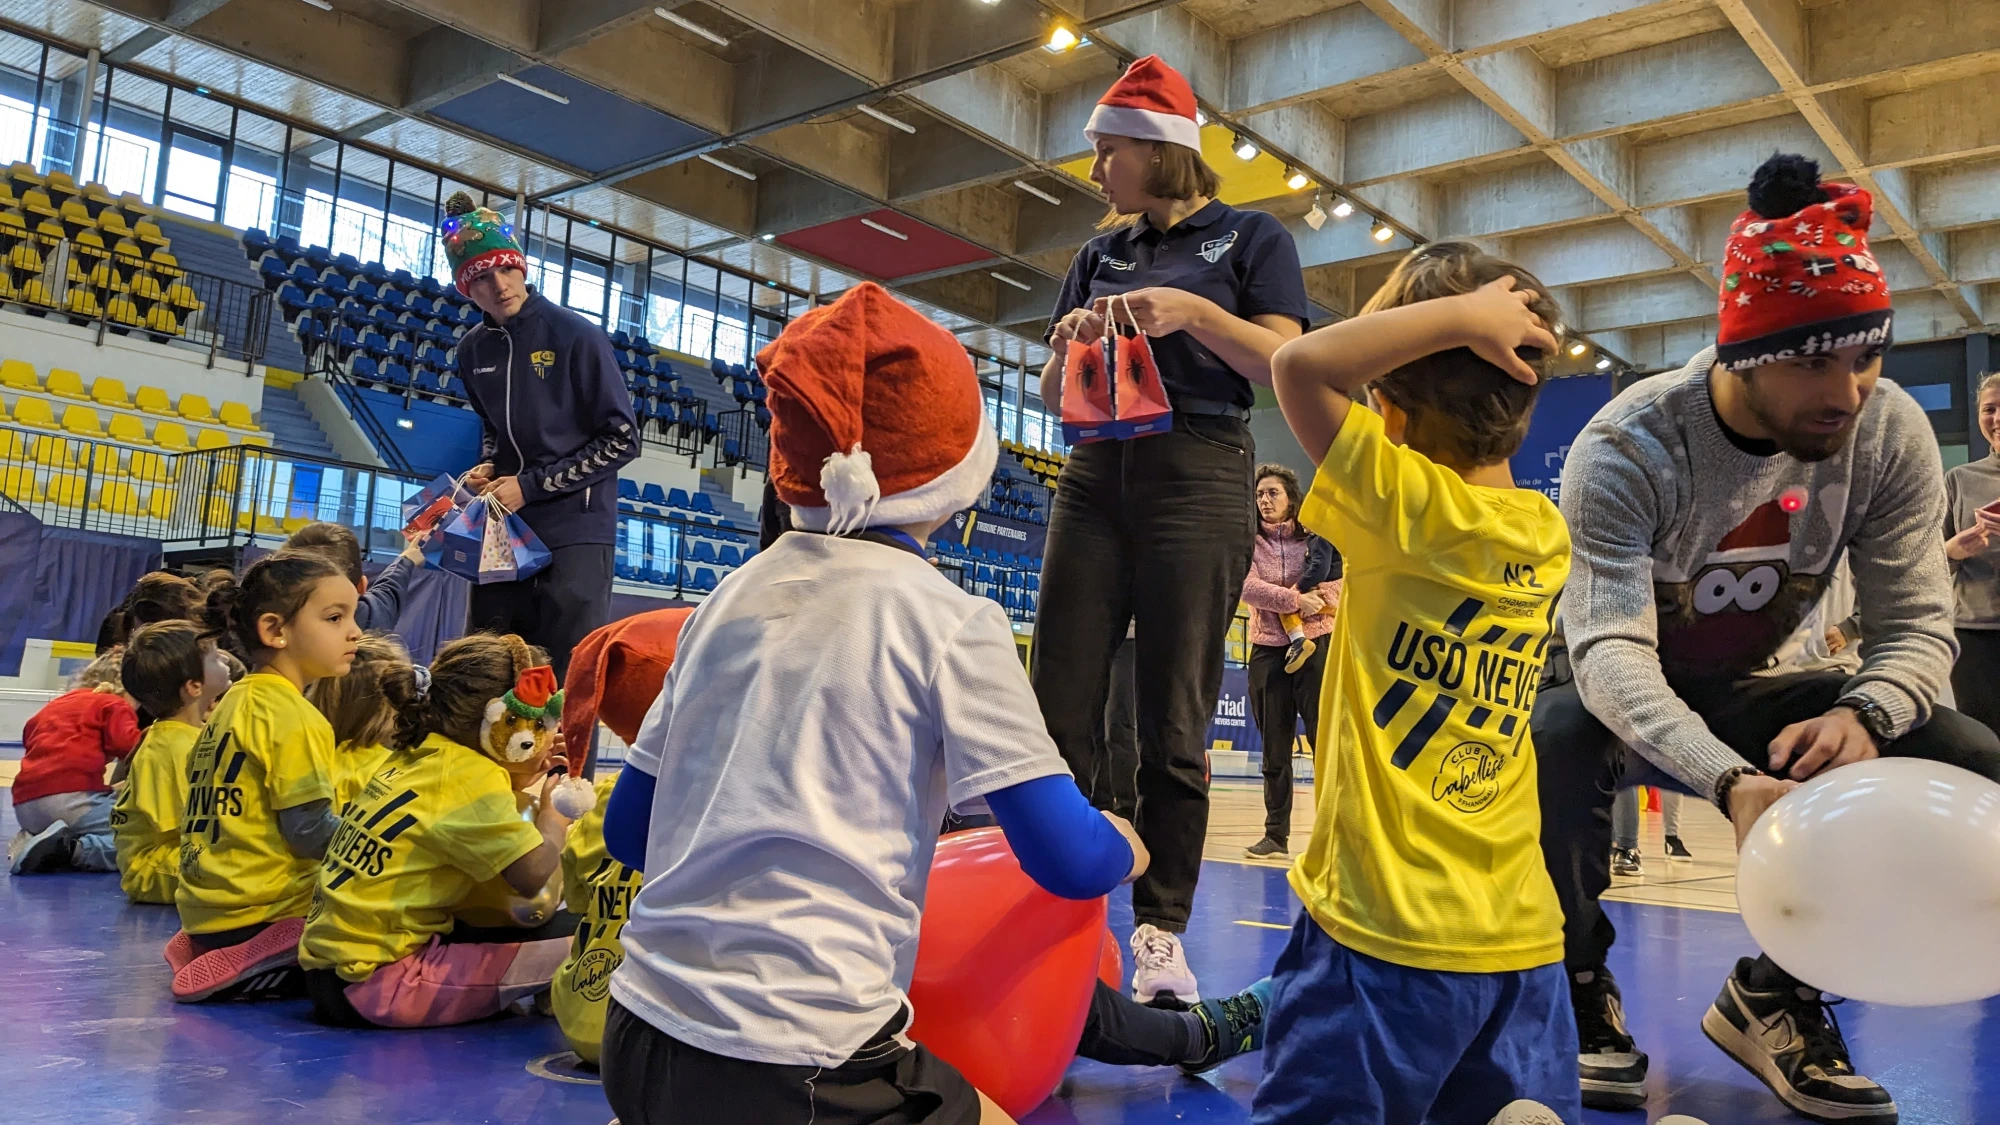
1880, 881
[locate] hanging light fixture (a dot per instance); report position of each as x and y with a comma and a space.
1382, 231
1245, 148
1297, 180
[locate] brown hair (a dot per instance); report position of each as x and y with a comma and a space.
158, 596
278, 583
1176, 172
1462, 409
1284, 476
466, 675
358, 705
159, 660
336, 541
1987, 382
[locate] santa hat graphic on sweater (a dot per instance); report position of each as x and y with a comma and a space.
876, 417
1797, 278
1763, 536
1150, 102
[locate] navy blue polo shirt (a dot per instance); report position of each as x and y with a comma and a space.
1244, 261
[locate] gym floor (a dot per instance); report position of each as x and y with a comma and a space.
87, 1034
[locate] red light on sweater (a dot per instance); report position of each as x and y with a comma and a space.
1792, 499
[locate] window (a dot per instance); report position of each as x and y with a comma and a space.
358, 218
255, 161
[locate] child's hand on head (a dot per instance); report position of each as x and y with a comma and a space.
1498, 320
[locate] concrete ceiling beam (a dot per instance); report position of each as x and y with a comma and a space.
981, 214
1679, 79
1855, 41
1498, 24
1719, 162
1609, 251
1631, 304
1514, 201
1343, 243
990, 102
835, 151
856, 37
1431, 135
1306, 58
1959, 196
446, 63
573, 23
651, 66
1658, 347
512, 24
1187, 44
940, 158
1931, 124
1308, 133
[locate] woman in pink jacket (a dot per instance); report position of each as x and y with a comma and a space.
1292, 590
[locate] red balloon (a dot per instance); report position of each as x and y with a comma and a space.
1111, 963
1004, 971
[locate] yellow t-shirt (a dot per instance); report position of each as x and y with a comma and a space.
352, 767
1426, 843
146, 819
433, 823
600, 889
265, 748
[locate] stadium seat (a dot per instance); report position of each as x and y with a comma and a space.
238, 415
729, 556
161, 320
119, 498
151, 467
211, 439
653, 496
703, 504
64, 383
703, 552
83, 422
194, 408
21, 484
130, 430
125, 311
106, 391
104, 460
34, 412
19, 375
171, 437
678, 498
68, 491
13, 446
704, 579
160, 505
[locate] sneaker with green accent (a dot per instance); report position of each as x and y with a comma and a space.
1234, 1025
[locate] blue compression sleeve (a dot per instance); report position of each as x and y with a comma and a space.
629, 817
1064, 845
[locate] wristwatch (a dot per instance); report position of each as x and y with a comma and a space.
1728, 781
1874, 719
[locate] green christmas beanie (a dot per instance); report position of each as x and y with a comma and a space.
476, 240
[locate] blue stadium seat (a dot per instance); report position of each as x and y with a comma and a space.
652, 495
363, 290
273, 268
678, 498
704, 579
403, 350
703, 552
303, 273
374, 342
255, 242
729, 556
427, 381
361, 367
703, 504
291, 296
395, 374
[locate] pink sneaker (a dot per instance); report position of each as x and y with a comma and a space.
180, 951
212, 972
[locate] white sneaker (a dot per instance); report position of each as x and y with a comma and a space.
18, 845
1525, 1112
42, 851
1160, 967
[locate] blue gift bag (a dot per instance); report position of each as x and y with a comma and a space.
433, 506
486, 543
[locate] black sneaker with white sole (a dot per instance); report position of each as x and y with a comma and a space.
1677, 850
1788, 1037
1611, 1069
1266, 848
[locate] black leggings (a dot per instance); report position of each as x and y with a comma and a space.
1123, 1032
1975, 679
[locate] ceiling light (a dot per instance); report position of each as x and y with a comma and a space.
1021, 285
689, 25
1296, 180
1060, 40
1343, 209
1038, 193
1604, 363
1578, 348
890, 231
886, 119
1382, 232
989, 3
1316, 217
1246, 149
766, 237
322, 5
728, 167
532, 88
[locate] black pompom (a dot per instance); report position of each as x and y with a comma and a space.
1784, 185
460, 204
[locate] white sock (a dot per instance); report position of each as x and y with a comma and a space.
1296, 634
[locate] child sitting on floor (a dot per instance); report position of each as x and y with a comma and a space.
177, 677
380, 947
261, 782
381, 600
826, 705
61, 799
360, 713
1423, 980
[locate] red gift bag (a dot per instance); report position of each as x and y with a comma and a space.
1087, 409
1139, 395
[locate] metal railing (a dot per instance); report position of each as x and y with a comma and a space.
740, 442
119, 293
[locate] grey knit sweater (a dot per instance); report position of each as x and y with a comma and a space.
1688, 566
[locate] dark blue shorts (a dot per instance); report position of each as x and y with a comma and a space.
1352, 1040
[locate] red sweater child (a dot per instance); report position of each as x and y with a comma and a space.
70, 741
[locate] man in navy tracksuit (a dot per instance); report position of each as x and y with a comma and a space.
558, 425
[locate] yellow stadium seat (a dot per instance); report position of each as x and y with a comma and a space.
23, 172
160, 505
4, 416
146, 287
68, 491
164, 262
50, 234
105, 461
121, 309
152, 467
75, 214
106, 391
260, 440
83, 422
153, 400
53, 452
82, 301
89, 243
172, 437
111, 222
130, 430
128, 252
19, 375
195, 408
218, 512
34, 412
119, 498
211, 439
59, 183
182, 296
36, 200
149, 231
162, 320
104, 275
7, 198
64, 383
294, 524
25, 256
7, 290
37, 292
238, 415
76, 273
13, 446
20, 483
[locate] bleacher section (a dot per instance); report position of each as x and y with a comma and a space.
1041, 465
78, 252
142, 417
1015, 581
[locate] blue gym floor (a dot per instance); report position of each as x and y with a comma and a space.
88, 1035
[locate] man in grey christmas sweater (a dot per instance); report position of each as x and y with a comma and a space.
1709, 508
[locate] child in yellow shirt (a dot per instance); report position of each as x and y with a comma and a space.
261, 782
361, 717
177, 677
599, 890
380, 946
1425, 973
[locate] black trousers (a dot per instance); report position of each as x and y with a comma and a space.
1121, 736
1582, 766
1155, 531
1975, 679
554, 609
1123, 1032
1277, 699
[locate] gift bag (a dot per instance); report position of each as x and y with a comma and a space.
1087, 413
434, 504
1138, 394
487, 543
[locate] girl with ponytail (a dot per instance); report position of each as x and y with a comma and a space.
260, 806
441, 827
360, 708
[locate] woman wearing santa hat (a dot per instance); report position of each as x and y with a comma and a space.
1158, 529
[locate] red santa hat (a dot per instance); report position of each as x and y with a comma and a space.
1797, 278
1150, 102
876, 417
1764, 535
